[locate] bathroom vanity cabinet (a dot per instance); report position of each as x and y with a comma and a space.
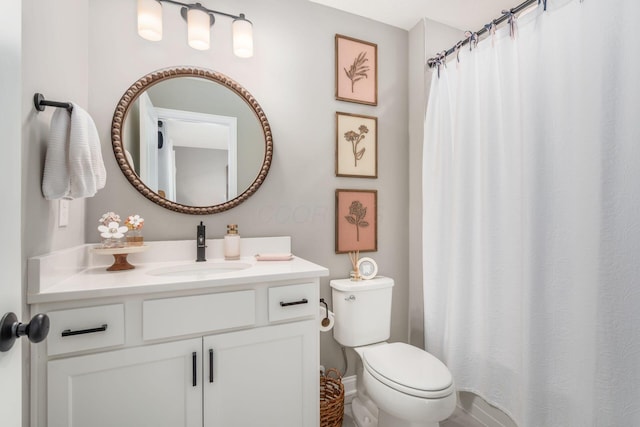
240, 350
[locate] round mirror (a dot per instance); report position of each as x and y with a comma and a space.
192, 140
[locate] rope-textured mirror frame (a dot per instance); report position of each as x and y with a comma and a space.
151, 79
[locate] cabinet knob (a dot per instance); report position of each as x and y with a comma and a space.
10, 329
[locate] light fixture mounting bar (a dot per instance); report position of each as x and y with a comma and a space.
201, 7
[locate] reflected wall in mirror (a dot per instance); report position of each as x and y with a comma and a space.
192, 140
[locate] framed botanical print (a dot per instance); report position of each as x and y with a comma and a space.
356, 145
356, 70
356, 220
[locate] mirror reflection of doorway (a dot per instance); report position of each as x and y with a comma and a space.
182, 150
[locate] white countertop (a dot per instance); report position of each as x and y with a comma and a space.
76, 273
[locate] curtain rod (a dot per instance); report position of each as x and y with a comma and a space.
432, 62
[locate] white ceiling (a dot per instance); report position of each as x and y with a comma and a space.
462, 14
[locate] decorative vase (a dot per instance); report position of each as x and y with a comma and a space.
112, 242
134, 237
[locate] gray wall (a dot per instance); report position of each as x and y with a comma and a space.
55, 62
292, 77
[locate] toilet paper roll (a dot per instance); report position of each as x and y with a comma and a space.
323, 314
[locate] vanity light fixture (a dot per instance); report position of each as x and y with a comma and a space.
199, 22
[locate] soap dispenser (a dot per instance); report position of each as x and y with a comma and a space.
232, 243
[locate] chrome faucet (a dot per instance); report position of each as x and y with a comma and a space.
201, 243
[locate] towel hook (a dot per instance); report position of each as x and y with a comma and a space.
40, 103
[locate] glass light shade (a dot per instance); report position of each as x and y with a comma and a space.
150, 20
242, 37
198, 29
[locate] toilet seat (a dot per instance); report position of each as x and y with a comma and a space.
409, 370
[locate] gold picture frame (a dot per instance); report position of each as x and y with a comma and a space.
356, 145
356, 220
356, 70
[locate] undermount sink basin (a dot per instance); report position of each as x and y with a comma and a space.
199, 269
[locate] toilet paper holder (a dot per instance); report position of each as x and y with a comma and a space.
325, 322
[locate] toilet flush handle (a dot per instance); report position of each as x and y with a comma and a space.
350, 298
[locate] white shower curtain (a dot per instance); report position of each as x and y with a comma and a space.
531, 182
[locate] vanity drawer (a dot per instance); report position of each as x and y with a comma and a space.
292, 301
85, 329
171, 317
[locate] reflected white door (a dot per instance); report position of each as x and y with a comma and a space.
148, 143
10, 174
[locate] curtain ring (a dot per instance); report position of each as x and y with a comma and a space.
438, 62
492, 31
487, 28
473, 39
512, 20
457, 49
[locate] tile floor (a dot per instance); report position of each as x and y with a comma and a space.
458, 419
461, 419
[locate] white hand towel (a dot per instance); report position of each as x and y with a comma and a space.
55, 180
87, 173
73, 164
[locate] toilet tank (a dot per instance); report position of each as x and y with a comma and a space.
362, 310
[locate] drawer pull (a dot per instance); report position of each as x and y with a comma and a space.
69, 332
287, 304
194, 379
210, 365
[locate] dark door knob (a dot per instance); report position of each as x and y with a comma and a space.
10, 329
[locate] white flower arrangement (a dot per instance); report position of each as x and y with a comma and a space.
108, 218
134, 222
112, 231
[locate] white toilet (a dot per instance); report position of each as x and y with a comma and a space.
399, 385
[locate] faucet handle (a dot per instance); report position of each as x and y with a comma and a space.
201, 235
201, 243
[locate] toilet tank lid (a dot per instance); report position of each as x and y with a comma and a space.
348, 285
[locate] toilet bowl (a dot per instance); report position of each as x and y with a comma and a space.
410, 387
399, 385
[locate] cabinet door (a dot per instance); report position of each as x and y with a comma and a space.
267, 377
143, 386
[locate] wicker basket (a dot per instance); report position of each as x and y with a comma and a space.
331, 399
